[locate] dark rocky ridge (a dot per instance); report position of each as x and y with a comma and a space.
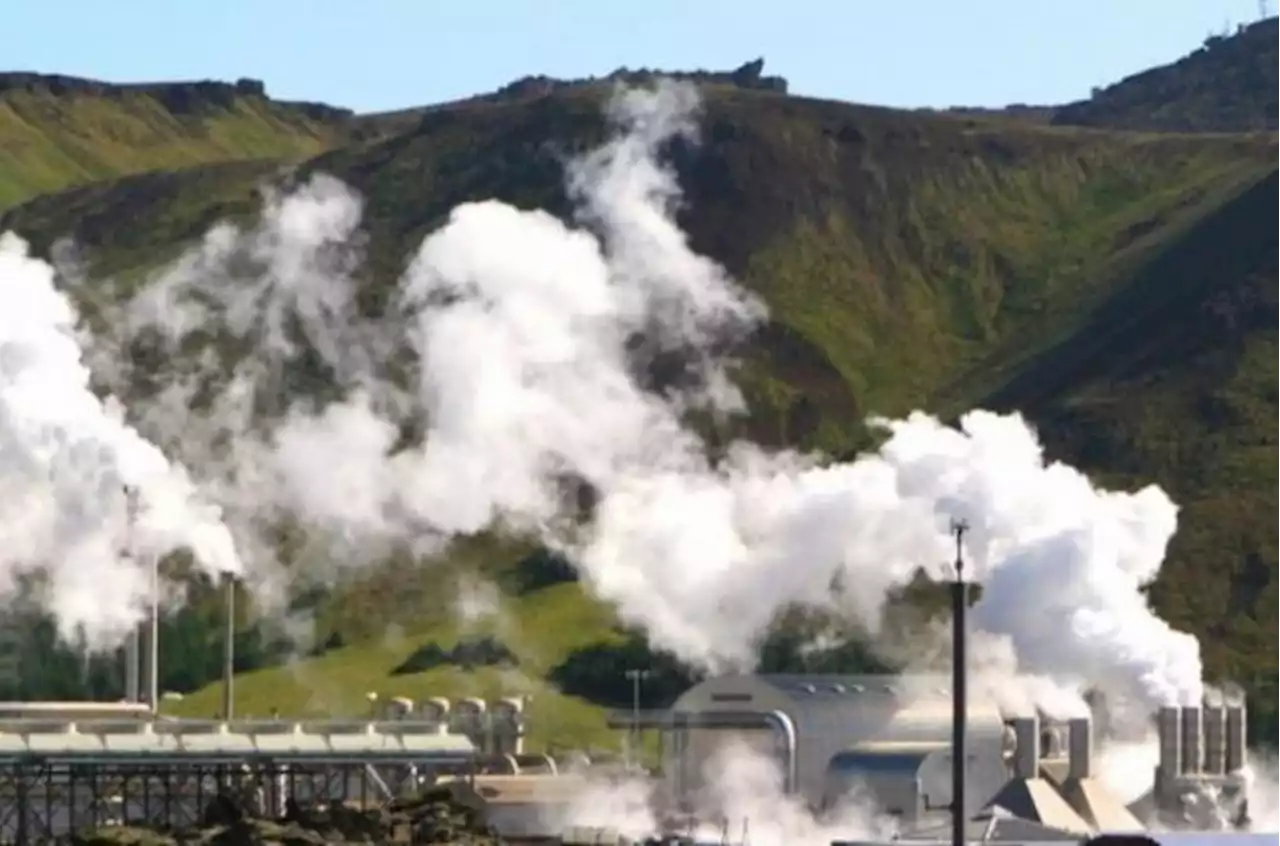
180, 98
1227, 85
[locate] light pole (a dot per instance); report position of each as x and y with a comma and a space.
633, 735
959, 688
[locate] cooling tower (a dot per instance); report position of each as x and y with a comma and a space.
1198, 784
1086, 795
1026, 794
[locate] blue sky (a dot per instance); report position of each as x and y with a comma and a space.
374, 55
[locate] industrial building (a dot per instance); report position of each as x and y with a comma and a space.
890, 737
68, 766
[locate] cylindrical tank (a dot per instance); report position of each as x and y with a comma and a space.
507, 721
435, 710
1170, 732
1192, 744
470, 718
397, 708
1236, 738
1215, 739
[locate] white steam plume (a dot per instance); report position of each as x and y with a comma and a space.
744, 792
524, 330
66, 457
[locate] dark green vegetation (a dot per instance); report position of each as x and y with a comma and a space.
1118, 287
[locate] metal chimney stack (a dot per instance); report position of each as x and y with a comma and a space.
1215, 740
1170, 731
1236, 738
1192, 741
1080, 748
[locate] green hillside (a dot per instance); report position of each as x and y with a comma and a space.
1117, 286
57, 132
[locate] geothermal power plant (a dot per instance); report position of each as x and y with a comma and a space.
888, 739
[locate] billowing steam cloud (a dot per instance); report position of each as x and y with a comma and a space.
66, 458
523, 331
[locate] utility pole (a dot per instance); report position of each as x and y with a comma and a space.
633, 735
959, 688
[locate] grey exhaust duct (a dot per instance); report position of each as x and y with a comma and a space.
1170, 732
1080, 748
1236, 738
1192, 748
1215, 740
1026, 749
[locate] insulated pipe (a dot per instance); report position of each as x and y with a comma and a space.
778, 721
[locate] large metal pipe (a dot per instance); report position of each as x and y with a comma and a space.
1215, 740
1236, 738
1170, 733
1080, 748
1192, 747
777, 721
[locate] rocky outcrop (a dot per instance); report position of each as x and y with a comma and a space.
749, 76
452, 814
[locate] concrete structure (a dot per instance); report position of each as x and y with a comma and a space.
828, 730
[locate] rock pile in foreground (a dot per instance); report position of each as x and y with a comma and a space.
449, 814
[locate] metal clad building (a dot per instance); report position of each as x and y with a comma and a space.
896, 729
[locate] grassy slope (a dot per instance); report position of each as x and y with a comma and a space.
51, 141
908, 260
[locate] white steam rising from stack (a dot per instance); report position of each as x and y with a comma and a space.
66, 457
522, 328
